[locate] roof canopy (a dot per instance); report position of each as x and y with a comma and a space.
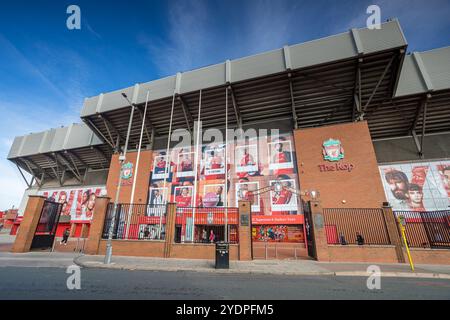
330, 80
360, 74
55, 153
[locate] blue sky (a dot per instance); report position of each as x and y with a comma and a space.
47, 70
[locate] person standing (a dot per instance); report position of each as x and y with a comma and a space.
212, 237
65, 236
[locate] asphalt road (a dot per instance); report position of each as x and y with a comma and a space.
50, 283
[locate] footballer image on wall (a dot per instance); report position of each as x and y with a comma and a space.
214, 160
245, 192
246, 158
183, 196
159, 167
185, 164
283, 200
280, 156
157, 195
213, 195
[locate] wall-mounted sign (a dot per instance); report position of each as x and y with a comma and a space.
245, 220
332, 150
336, 167
127, 173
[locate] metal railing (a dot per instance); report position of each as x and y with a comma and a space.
136, 221
209, 224
430, 229
356, 226
279, 250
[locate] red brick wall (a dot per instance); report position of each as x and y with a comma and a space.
360, 188
140, 194
354, 253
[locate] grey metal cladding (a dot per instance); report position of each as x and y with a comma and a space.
258, 65
323, 50
410, 81
79, 136
114, 100
59, 139
14, 151
89, 106
389, 36
159, 89
210, 76
32, 144
311, 53
46, 143
437, 65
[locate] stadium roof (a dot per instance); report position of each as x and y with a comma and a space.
60, 153
360, 74
312, 83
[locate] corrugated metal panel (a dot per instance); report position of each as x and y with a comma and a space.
160, 88
79, 136
114, 100
410, 81
388, 36
258, 65
15, 147
323, 50
59, 139
211, 76
31, 144
46, 143
437, 64
89, 106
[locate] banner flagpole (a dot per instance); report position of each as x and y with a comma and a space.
166, 170
196, 165
226, 164
130, 210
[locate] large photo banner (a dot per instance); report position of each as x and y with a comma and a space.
252, 164
419, 186
78, 203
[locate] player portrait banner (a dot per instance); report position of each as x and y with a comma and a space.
246, 158
255, 163
419, 186
78, 203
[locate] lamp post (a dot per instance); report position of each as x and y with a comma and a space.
122, 158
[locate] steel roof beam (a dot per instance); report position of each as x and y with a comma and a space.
383, 75
187, 114
96, 130
108, 124
291, 91
40, 169
72, 154
237, 112
29, 184
75, 174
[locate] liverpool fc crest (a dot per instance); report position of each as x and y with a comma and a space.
127, 170
332, 150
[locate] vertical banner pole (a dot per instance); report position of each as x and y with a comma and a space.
166, 170
130, 210
196, 165
122, 158
226, 164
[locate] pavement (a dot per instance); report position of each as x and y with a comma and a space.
274, 267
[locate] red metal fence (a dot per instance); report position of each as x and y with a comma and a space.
343, 226
429, 229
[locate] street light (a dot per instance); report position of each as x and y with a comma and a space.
122, 158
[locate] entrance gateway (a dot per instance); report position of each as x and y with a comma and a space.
46, 229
